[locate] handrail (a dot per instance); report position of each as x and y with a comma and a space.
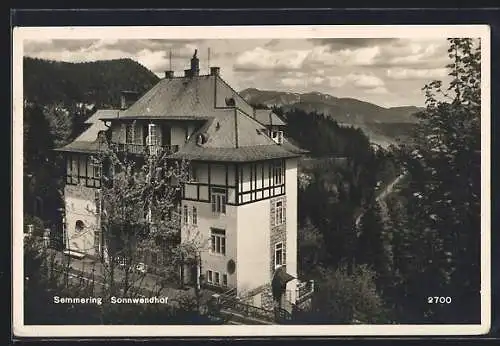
145, 148
249, 310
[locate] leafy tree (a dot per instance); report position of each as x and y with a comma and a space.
347, 295
61, 125
311, 250
443, 195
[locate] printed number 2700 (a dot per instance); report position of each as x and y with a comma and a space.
439, 300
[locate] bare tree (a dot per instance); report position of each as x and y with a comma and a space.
139, 213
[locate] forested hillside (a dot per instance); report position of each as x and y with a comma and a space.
98, 82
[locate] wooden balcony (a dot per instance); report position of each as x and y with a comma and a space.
141, 149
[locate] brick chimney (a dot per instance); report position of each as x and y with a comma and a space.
169, 74
214, 71
195, 64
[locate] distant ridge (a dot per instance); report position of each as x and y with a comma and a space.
344, 110
384, 126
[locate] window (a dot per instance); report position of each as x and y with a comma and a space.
218, 200
278, 173
153, 138
210, 278
195, 216
278, 255
224, 280
185, 214
193, 174
79, 226
217, 278
95, 168
279, 213
277, 136
218, 241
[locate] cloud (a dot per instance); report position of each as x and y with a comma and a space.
412, 73
324, 56
263, 59
424, 53
73, 45
135, 46
377, 90
365, 81
342, 43
272, 43
356, 80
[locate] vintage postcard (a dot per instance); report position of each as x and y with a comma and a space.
251, 181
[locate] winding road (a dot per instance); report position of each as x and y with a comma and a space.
382, 195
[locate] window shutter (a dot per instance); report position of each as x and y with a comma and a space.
284, 210
150, 134
273, 212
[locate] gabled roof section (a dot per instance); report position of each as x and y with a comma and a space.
234, 136
268, 117
102, 113
87, 141
186, 97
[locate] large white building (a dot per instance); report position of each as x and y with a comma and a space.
242, 196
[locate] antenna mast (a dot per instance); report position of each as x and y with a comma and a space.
170, 59
209, 58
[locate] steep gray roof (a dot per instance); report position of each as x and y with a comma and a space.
234, 136
87, 140
233, 131
268, 117
197, 96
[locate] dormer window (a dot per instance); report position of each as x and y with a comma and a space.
277, 136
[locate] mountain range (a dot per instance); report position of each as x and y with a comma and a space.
383, 125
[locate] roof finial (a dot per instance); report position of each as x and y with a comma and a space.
195, 51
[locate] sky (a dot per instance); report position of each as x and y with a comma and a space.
386, 71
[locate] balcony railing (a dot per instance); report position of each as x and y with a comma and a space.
305, 290
142, 149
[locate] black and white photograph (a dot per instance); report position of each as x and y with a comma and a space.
251, 181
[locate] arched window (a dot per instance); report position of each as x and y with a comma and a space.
79, 225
